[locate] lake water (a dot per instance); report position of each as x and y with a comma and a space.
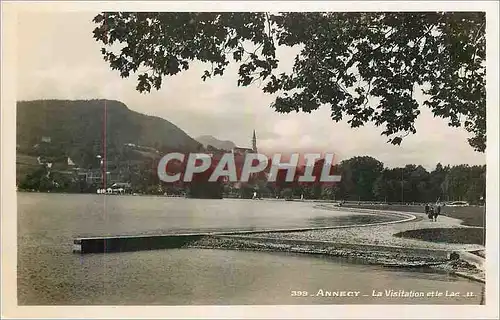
49, 273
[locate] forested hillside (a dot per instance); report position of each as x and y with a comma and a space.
77, 128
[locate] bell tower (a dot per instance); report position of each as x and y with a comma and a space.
254, 142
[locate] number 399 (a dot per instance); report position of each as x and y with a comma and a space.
298, 293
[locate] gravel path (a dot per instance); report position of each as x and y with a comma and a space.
382, 234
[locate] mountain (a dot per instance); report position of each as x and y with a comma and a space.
76, 128
214, 142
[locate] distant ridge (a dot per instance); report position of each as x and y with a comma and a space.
207, 140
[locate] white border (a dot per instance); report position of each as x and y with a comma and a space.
9, 306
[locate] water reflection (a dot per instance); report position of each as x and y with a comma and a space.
48, 273
205, 277
345, 220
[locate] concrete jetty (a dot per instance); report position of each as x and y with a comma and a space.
132, 243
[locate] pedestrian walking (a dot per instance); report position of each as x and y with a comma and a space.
437, 211
430, 214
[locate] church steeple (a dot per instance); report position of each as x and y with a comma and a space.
254, 142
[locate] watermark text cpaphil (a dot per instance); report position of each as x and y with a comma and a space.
231, 167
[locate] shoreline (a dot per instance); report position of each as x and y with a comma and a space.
372, 244
368, 243
392, 257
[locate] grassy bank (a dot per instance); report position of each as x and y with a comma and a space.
447, 235
471, 216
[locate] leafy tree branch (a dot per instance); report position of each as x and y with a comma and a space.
340, 54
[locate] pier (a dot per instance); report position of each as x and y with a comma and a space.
132, 243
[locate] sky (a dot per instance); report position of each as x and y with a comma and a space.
57, 58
